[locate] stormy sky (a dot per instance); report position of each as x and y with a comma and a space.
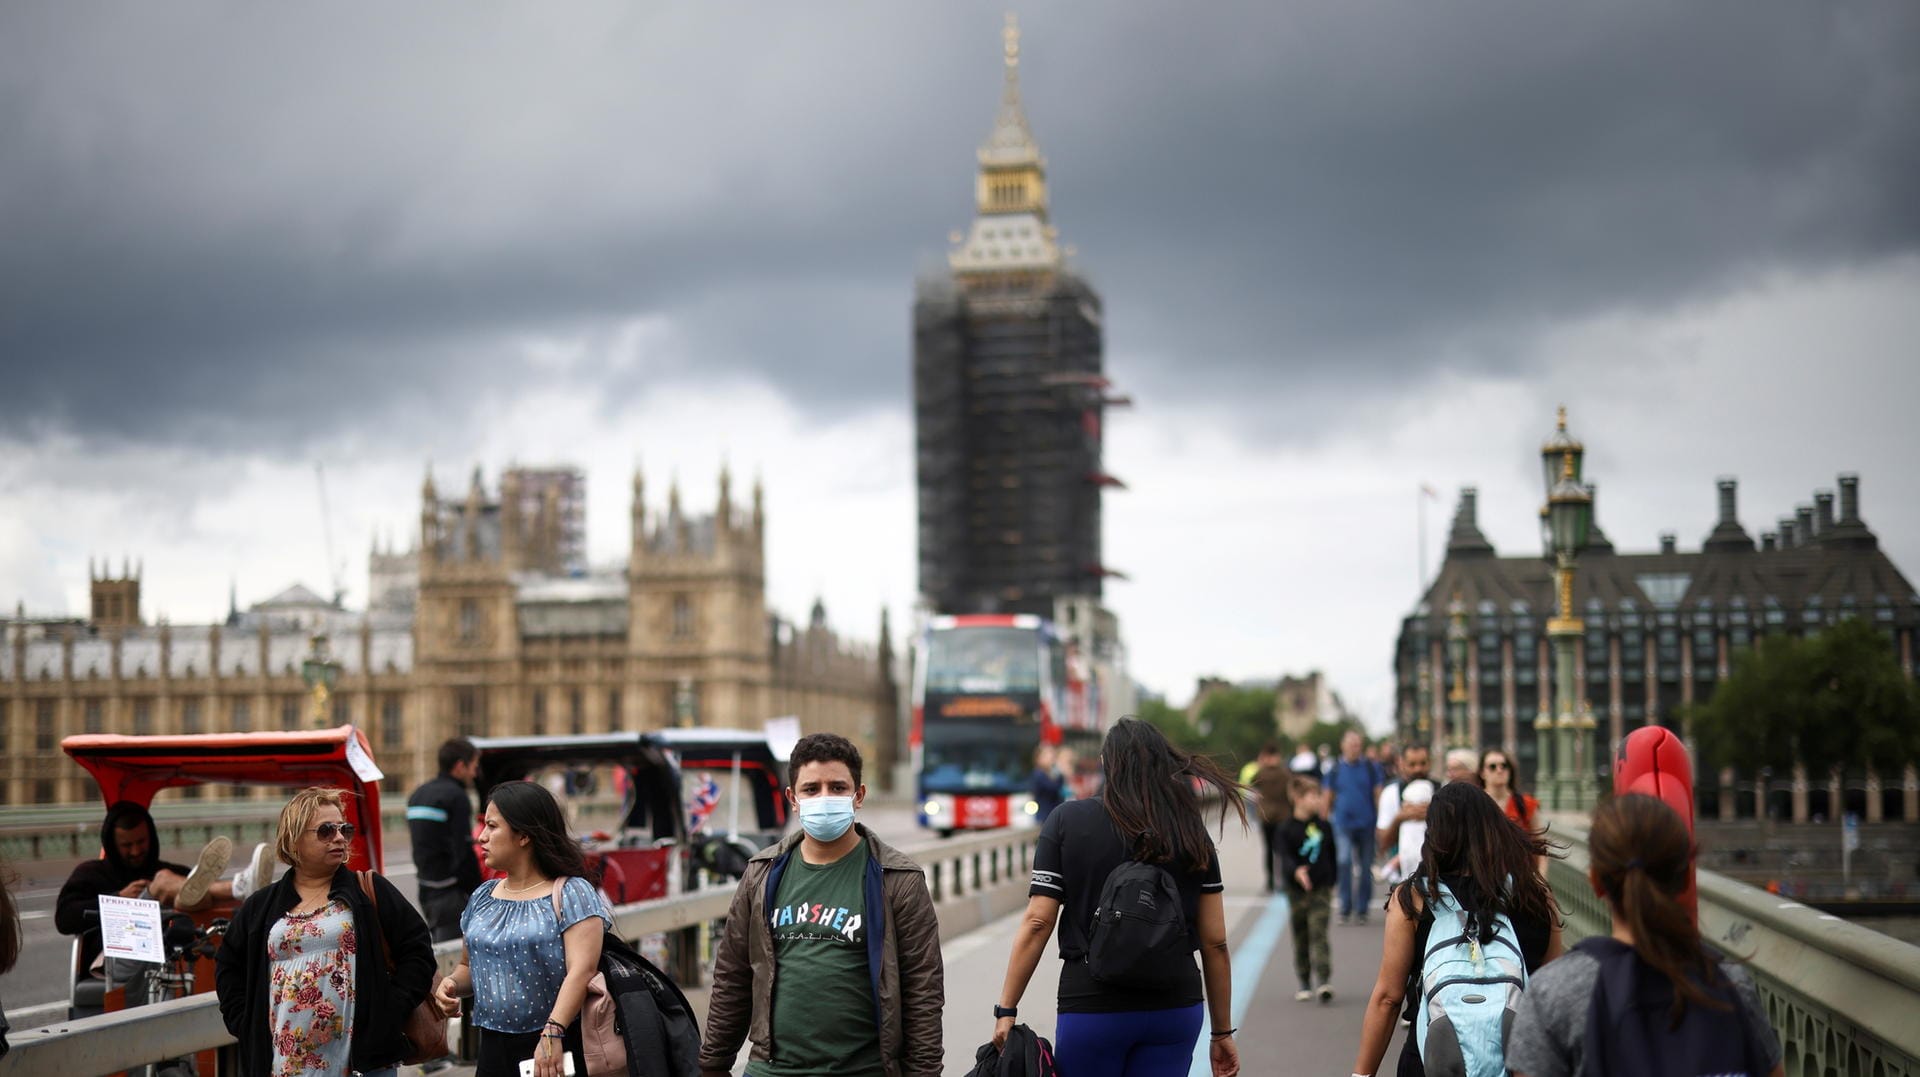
1345, 249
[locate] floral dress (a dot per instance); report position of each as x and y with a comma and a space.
311, 1006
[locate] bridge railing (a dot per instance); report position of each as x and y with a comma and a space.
1844, 999
974, 880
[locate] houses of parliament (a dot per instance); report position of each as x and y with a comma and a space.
490, 625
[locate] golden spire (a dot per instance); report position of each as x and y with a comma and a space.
1010, 232
1012, 140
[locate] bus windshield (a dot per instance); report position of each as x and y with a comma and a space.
983, 660
966, 756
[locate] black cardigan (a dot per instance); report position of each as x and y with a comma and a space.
381, 1003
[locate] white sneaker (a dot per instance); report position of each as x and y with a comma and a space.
256, 875
1305, 994
213, 861
1326, 993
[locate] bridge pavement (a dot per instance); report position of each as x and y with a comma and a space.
1277, 1035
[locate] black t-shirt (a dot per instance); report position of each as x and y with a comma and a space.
1078, 847
1308, 843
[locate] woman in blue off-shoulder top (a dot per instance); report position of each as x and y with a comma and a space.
528, 956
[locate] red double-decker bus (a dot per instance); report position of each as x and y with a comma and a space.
989, 689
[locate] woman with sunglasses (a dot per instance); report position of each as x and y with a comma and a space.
1502, 782
302, 973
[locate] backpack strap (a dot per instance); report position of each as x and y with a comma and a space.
558, 885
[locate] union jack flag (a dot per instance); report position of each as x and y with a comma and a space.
706, 797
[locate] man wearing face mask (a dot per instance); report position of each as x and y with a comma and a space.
830, 961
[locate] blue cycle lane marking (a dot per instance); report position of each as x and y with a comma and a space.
1249, 961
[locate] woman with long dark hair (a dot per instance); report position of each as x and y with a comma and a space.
1501, 779
1487, 864
1149, 811
1650, 994
529, 952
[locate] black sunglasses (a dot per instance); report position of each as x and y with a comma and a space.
1496, 766
328, 831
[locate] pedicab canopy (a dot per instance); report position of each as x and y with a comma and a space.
137, 767
654, 762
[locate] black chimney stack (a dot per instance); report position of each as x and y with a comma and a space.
1803, 530
1823, 512
1727, 535
1669, 542
1768, 541
1851, 532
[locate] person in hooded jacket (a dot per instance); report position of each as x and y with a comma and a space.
130, 866
302, 973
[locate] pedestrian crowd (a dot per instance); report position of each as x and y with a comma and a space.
829, 961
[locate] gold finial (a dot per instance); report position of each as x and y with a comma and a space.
1011, 35
1563, 418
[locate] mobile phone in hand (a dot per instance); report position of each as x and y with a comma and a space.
566, 1066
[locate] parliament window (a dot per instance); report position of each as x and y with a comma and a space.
142, 717
539, 712
95, 716
242, 716
190, 716
682, 617
391, 733
43, 728
577, 711
290, 713
469, 620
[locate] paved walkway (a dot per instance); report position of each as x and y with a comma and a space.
1277, 1035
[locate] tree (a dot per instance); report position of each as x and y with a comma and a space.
1170, 721
1233, 723
1833, 700
1329, 733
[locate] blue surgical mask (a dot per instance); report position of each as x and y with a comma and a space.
826, 818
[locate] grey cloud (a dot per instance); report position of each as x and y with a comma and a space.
222, 218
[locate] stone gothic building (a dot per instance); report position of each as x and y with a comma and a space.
486, 627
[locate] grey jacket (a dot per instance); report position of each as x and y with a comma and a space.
903, 959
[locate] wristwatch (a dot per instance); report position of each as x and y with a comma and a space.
1000, 1011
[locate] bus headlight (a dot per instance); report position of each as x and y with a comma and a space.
1032, 808
932, 807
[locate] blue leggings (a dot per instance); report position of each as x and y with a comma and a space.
1146, 1043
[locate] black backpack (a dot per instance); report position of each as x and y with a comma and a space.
1027, 1054
1630, 1023
650, 1031
1139, 930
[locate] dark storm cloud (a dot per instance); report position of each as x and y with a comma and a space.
223, 220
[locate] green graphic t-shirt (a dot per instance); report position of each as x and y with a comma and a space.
822, 993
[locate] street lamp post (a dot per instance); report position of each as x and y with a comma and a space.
1568, 516
320, 672
1458, 736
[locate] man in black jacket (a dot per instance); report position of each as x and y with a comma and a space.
130, 866
440, 818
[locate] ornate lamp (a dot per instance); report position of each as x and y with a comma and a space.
1568, 521
320, 672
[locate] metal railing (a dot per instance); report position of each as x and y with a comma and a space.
1843, 998
974, 881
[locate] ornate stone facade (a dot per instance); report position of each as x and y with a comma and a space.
481, 629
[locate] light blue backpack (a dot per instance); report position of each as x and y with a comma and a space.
1468, 992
